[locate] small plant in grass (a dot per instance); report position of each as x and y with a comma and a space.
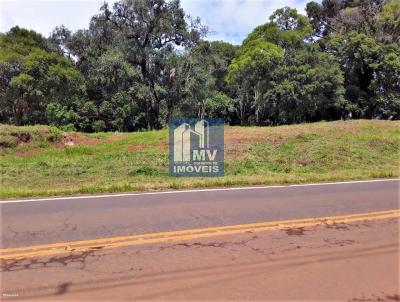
147, 171
99, 126
54, 134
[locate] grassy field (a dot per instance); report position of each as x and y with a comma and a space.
43, 161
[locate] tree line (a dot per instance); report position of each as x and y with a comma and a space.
142, 62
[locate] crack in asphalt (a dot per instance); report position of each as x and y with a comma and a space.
36, 263
335, 242
26, 234
131, 269
84, 260
80, 257
377, 297
216, 244
344, 226
295, 231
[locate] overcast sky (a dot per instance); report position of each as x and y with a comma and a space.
228, 20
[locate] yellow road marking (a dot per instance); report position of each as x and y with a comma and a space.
113, 242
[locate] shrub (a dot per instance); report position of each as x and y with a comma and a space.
99, 126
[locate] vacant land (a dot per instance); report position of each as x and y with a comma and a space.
43, 161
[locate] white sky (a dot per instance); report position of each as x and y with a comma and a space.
228, 20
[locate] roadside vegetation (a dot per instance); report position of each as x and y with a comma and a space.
45, 161
141, 62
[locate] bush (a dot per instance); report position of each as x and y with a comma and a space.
54, 134
12, 136
99, 126
68, 128
146, 171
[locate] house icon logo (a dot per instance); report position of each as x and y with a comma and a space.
183, 137
196, 147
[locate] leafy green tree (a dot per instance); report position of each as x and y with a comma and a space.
197, 85
111, 82
363, 35
146, 33
219, 55
64, 117
220, 105
99, 126
141, 62
358, 55
307, 86
261, 52
33, 77
287, 29
375, 18
388, 22
203, 70
250, 72
321, 16
386, 83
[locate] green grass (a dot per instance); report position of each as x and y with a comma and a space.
36, 162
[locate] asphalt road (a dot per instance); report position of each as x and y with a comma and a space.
354, 260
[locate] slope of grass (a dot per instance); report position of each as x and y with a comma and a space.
42, 161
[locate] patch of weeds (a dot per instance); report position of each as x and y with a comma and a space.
78, 150
174, 185
306, 137
261, 149
286, 147
145, 171
42, 144
278, 167
54, 134
244, 167
41, 164
12, 136
101, 134
8, 141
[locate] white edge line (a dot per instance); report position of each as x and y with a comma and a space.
195, 190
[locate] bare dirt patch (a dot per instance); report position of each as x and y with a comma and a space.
116, 138
238, 140
239, 136
162, 144
305, 161
235, 136
72, 139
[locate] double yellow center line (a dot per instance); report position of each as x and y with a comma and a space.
161, 237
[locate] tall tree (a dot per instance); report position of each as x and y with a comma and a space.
307, 86
371, 71
146, 32
388, 23
262, 51
205, 68
375, 18
33, 77
287, 29
250, 72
